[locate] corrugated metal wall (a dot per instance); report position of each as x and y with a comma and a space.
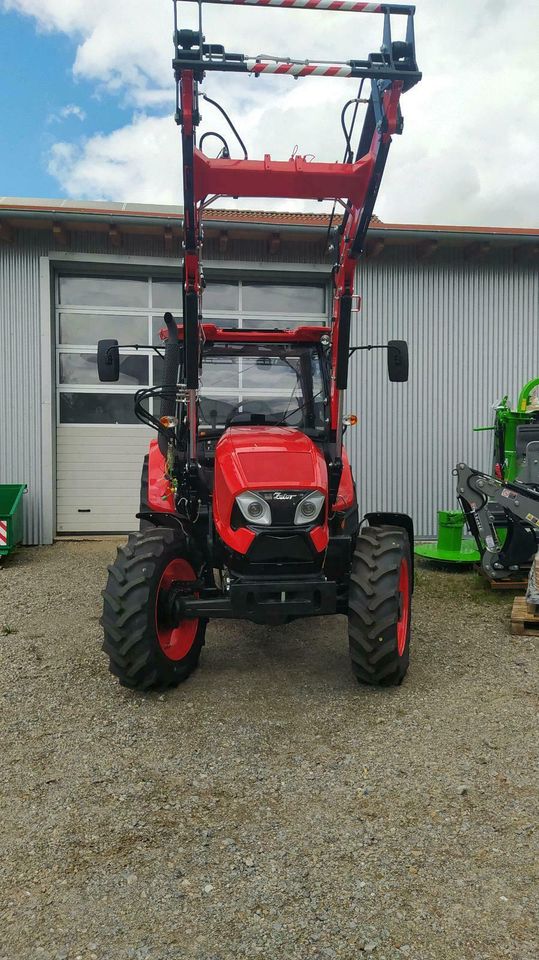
473, 334
20, 356
20, 376
472, 328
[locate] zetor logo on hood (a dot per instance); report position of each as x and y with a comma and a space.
283, 496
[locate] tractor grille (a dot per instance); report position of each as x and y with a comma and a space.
274, 554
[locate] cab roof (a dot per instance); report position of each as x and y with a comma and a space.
276, 335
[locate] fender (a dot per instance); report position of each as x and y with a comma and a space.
160, 496
346, 495
395, 520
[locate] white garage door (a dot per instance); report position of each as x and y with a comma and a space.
100, 443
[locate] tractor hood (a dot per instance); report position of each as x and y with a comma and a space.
270, 458
262, 459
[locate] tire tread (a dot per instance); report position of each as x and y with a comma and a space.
373, 606
129, 634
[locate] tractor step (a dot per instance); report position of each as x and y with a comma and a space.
524, 618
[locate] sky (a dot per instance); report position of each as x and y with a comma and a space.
87, 97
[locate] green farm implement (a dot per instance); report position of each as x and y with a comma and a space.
10, 516
502, 510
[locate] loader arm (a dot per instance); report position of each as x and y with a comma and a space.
354, 183
521, 506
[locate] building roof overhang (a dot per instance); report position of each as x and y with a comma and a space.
166, 220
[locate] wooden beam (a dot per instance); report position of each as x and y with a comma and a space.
525, 252
223, 241
274, 244
168, 239
426, 249
477, 250
6, 232
376, 248
60, 234
115, 236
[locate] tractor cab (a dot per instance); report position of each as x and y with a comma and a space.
253, 382
261, 378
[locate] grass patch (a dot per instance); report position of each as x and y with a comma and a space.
450, 584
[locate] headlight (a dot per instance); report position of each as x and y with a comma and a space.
254, 508
308, 509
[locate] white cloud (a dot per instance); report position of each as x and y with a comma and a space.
468, 151
125, 165
70, 110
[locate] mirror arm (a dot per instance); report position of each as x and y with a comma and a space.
368, 346
138, 346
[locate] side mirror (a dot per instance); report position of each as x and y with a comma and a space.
397, 361
108, 361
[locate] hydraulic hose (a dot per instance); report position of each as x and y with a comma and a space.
170, 378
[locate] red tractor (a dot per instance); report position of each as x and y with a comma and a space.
249, 509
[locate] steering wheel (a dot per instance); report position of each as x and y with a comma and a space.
234, 412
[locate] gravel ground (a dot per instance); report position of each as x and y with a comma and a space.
270, 807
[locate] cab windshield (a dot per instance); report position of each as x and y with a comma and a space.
262, 383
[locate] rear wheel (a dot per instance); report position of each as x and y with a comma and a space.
379, 606
146, 648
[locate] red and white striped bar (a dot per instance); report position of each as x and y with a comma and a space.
300, 69
343, 6
3, 532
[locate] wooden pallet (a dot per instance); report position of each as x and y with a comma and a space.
502, 584
508, 584
524, 618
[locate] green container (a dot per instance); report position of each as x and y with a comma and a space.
10, 516
451, 546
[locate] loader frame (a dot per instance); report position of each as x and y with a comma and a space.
354, 183
477, 492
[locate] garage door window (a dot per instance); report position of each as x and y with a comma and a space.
292, 299
167, 295
130, 309
81, 368
88, 328
97, 408
103, 292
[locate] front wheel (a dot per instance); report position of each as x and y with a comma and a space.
379, 606
147, 649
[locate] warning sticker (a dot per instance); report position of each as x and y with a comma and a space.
532, 519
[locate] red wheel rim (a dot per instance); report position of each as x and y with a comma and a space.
175, 642
404, 606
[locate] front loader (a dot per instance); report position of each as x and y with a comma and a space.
248, 504
502, 511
